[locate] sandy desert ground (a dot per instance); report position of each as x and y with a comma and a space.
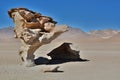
103, 64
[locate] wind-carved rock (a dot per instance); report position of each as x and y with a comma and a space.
66, 51
34, 30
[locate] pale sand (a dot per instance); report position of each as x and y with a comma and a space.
104, 63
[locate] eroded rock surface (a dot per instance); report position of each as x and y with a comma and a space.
64, 52
34, 30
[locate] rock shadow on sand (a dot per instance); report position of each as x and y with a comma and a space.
62, 54
46, 61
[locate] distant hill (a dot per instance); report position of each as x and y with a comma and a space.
105, 34
74, 34
6, 33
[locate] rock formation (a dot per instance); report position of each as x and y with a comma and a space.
64, 52
34, 30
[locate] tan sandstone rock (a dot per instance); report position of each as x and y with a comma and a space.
40, 32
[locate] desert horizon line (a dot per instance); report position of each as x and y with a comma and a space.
76, 28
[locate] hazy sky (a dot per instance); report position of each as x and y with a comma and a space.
84, 14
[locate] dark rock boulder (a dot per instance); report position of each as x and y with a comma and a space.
64, 52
